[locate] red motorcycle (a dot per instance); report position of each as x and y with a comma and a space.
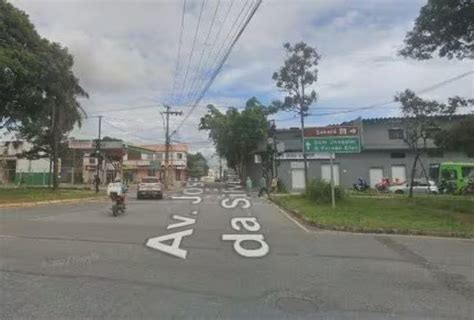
383, 185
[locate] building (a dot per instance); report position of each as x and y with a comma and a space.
384, 154
20, 170
128, 161
177, 159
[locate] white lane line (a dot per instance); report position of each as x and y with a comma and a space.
292, 219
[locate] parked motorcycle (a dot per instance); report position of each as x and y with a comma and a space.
383, 185
361, 185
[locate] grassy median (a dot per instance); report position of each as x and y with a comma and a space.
428, 215
18, 195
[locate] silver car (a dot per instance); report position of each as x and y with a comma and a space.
419, 186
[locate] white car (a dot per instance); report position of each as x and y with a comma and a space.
419, 186
150, 187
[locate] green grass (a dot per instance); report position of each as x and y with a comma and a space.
430, 215
42, 194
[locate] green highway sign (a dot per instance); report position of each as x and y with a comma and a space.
337, 144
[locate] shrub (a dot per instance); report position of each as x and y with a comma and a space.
281, 188
320, 191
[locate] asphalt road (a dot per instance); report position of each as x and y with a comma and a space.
79, 262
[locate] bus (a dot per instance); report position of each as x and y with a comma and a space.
455, 177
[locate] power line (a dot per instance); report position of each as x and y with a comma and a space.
226, 39
378, 105
211, 80
126, 131
192, 49
126, 109
179, 51
198, 68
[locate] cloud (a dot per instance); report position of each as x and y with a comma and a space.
126, 53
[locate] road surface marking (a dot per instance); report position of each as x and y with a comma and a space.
173, 249
293, 219
194, 212
196, 199
185, 221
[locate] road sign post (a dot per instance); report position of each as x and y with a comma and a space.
333, 192
333, 139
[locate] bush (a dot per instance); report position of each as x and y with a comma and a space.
281, 188
320, 191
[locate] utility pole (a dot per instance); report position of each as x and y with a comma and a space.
168, 112
97, 179
274, 149
302, 115
220, 168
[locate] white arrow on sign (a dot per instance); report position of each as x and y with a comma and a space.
308, 144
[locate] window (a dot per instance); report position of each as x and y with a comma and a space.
395, 134
397, 155
467, 172
434, 171
91, 160
151, 172
179, 156
449, 174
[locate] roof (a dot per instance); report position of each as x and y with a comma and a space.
139, 148
162, 147
394, 119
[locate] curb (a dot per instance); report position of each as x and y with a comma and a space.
371, 231
37, 203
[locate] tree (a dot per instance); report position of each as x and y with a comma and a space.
197, 165
445, 26
38, 90
460, 137
421, 121
297, 75
237, 134
21, 91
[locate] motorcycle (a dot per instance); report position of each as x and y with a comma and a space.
383, 185
361, 185
118, 203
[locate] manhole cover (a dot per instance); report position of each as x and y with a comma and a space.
296, 305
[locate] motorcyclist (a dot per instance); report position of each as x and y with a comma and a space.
116, 191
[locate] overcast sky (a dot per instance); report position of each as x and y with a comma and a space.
126, 51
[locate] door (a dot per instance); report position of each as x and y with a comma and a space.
326, 173
375, 176
399, 173
297, 179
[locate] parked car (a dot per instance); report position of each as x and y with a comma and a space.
419, 186
150, 187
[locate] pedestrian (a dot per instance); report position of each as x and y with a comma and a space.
263, 186
274, 184
248, 184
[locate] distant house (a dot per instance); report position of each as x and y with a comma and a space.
177, 158
384, 154
14, 169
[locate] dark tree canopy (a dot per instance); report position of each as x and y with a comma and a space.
460, 137
237, 134
445, 27
21, 91
38, 89
197, 165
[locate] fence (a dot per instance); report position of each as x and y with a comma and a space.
39, 178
